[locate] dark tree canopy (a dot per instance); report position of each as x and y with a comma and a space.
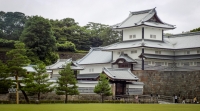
39, 39
5, 83
195, 30
11, 24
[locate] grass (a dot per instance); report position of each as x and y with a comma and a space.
100, 107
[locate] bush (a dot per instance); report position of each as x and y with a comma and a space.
67, 46
7, 43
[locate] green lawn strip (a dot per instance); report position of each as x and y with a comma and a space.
100, 107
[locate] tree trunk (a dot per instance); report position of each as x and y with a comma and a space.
38, 96
66, 97
102, 98
17, 89
24, 93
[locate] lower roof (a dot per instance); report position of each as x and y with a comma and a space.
120, 74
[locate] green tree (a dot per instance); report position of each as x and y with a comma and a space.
39, 39
67, 83
5, 83
17, 60
12, 24
195, 30
37, 82
103, 88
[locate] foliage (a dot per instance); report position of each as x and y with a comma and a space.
39, 39
67, 83
17, 60
38, 82
5, 83
195, 30
12, 24
67, 46
7, 43
103, 88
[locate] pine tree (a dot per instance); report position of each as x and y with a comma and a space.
5, 83
37, 82
17, 60
103, 88
67, 83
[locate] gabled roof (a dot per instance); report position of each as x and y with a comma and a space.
61, 63
96, 56
120, 74
29, 68
125, 57
175, 42
145, 17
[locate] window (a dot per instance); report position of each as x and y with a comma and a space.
91, 70
132, 36
152, 36
151, 63
157, 52
133, 51
180, 64
198, 51
85, 89
118, 53
193, 63
187, 52
164, 63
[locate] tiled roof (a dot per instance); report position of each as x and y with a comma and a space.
88, 76
179, 41
120, 74
141, 18
96, 56
29, 68
125, 57
61, 63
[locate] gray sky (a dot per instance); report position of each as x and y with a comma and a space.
185, 14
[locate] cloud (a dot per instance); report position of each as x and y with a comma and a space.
182, 13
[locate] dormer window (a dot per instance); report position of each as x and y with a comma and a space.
153, 36
187, 52
157, 52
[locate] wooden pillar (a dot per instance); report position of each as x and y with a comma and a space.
113, 89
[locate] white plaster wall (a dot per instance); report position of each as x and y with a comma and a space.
86, 84
97, 68
152, 31
132, 31
134, 86
182, 52
163, 52
56, 71
127, 51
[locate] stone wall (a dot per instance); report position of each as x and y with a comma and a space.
183, 83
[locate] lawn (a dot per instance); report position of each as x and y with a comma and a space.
100, 107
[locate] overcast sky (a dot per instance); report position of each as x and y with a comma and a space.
185, 14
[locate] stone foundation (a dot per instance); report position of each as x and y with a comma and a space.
181, 83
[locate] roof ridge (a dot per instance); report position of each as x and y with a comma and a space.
184, 34
141, 12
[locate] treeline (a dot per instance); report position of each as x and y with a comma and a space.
44, 37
